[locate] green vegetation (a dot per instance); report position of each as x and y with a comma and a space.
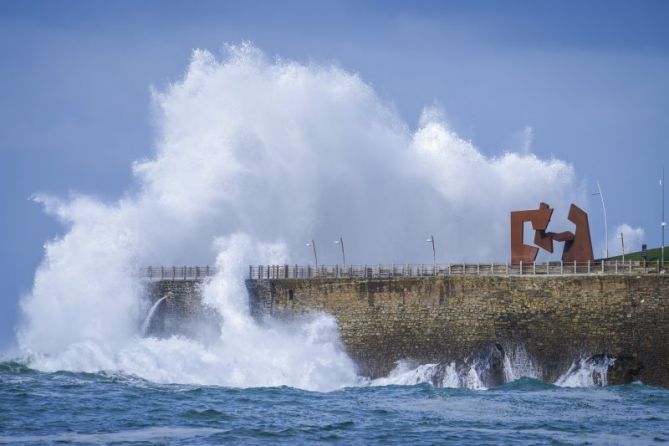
653, 255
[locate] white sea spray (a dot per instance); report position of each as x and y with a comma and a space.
253, 157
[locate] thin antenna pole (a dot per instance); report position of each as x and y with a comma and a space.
606, 226
622, 242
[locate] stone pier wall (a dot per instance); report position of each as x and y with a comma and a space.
182, 312
556, 319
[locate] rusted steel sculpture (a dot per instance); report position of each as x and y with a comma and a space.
539, 218
577, 246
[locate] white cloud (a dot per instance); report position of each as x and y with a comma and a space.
632, 237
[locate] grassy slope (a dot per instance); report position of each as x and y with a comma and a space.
653, 255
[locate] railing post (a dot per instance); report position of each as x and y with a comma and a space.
616, 270
507, 268
603, 262
630, 269
561, 268
521, 267
574, 266
588, 266
534, 268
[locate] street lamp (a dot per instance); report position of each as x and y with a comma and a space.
434, 255
343, 253
622, 243
664, 222
606, 227
313, 245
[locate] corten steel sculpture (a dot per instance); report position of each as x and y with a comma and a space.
539, 219
577, 246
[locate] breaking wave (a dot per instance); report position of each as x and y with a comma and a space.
476, 374
253, 157
587, 372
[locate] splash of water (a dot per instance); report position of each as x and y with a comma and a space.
252, 158
406, 375
149, 316
518, 363
305, 354
587, 372
451, 377
472, 380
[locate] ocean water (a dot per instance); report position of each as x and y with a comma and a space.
99, 408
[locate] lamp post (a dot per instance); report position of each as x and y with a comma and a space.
313, 245
434, 255
606, 226
622, 243
340, 242
664, 222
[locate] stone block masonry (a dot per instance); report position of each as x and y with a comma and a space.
182, 312
556, 319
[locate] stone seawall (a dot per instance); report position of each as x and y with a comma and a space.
555, 320
182, 312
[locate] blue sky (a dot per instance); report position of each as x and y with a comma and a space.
590, 78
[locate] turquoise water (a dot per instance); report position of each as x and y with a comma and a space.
81, 408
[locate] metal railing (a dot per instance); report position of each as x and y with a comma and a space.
262, 272
177, 272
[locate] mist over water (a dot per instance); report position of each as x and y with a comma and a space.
253, 157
